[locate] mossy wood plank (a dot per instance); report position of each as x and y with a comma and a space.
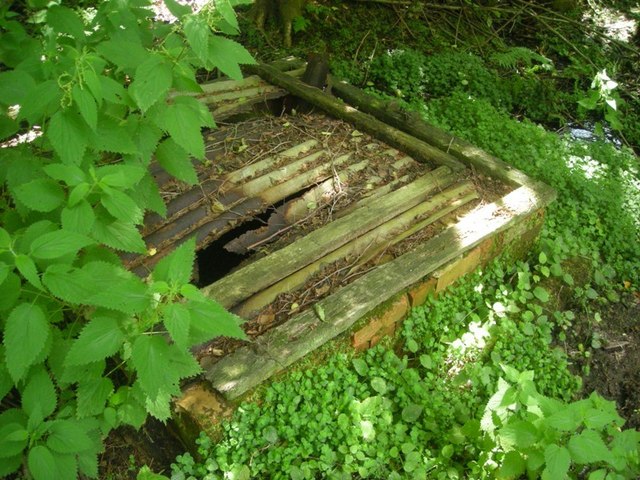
418, 149
287, 343
266, 271
411, 123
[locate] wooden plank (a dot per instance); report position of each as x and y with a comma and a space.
266, 271
418, 149
412, 123
373, 241
272, 352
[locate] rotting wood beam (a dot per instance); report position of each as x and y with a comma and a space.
418, 149
239, 285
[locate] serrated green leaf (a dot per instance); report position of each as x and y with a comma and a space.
178, 10
119, 235
28, 270
69, 174
197, 32
92, 396
64, 20
175, 160
39, 393
68, 436
25, 335
227, 55
557, 461
150, 357
567, 419
5, 239
209, 319
518, 434
588, 447
541, 294
147, 137
145, 473
177, 320
59, 243
113, 91
42, 464
13, 439
6, 384
113, 137
126, 54
99, 339
411, 412
78, 218
120, 175
78, 194
68, 135
225, 8
41, 195
513, 466
15, 86
10, 465
93, 83
121, 206
86, 105
151, 82
10, 288
183, 120
40, 102
148, 196
598, 474
66, 467
176, 268
88, 463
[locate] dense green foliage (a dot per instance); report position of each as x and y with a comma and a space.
86, 345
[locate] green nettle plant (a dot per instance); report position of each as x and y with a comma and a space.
86, 345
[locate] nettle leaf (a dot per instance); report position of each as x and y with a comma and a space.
59, 243
176, 268
99, 339
182, 120
64, 20
126, 54
92, 396
86, 105
99, 284
588, 447
513, 466
113, 91
177, 319
66, 467
41, 101
42, 464
151, 82
68, 135
177, 10
41, 195
79, 193
148, 195
39, 393
225, 8
113, 137
78, 218
557, 460
68, 436
6, 384
15, 86
227, 55
10, 289
121, 206
93, 83
120, 175
147, 136
176, 161
25, 335
518, 434
211, 320
119, 235
150, 357
13, 440
69, 174
197, 32
28, 269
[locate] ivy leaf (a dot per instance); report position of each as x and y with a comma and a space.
557, 460
41, 195
25, 335
113, 137
226, 55
39, 393
176, 319
86, 105
99, 339
121, 206
78, 218
57, 244
98, 284
92, 396
182, 120
176, 267
119, 235
68, 436
175, 160
197, 32
68, 136
588, 447
42, 464
151, 82
64, 20
28, 270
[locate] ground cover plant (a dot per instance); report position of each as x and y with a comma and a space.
87, 97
